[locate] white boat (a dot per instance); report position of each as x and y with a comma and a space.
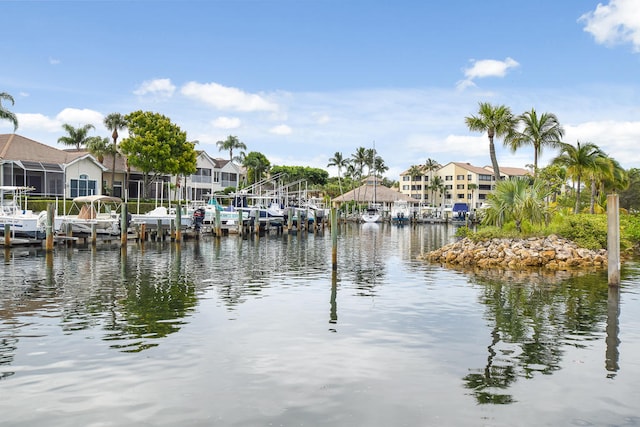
22, 222
228, 215
164, 215
400, 212
101, 211
372, 214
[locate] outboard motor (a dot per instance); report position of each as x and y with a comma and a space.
198, 218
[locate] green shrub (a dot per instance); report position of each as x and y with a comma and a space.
588, 231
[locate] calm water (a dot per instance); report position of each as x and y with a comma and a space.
261, 333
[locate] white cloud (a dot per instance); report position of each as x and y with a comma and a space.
159, 88
226, 122
281, 130
486, 68
76, 117
54, 61
227, 98
37, 122
615, 23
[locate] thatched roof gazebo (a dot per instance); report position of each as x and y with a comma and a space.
372, 192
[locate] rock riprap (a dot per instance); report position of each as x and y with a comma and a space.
550, 252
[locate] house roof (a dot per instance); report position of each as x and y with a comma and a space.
510, 171
17, 147
366, 193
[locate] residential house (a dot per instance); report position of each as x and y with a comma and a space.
212, 175
52, 172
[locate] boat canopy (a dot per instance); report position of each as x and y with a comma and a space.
460, 207
97, 198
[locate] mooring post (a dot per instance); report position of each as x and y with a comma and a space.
334, 238
178, 223
218, 224
256, 222
160, 231
48, 245
240, 222
613, 239
94, 234
7, 235
124, 227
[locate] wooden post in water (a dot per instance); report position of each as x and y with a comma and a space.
256, 222
143, 232
124, 216
613, 239
240, 222
160, 231
334, 239
7, 235
289, 219
218, 224
178, 223
94, 234
48, 245
69, 233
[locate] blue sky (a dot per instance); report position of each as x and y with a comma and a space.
300, 80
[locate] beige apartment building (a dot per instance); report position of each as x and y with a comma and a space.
453, 183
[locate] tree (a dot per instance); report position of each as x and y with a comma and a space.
516, 199
257, 165
630, 197
230, 144
114, 122
497, 121
75, 136
157, 147
6, 114
431, 166
99, 146
413, 172
538, 132
340, 162
580, 161
436, 186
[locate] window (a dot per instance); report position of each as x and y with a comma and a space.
449, 187
460, 187
406, 178
469, 196
485, 177
448, 178
469, 177
484, 187
460, 177
461, 196
405, 187
82, 186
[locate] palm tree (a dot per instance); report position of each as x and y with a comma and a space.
607, 175
497, 121
76, 136
6, 114
539, 132
413, 172
114, 122
437, 186
340, 162
516, 199
431, 166
231, 143
580, 161
99, 146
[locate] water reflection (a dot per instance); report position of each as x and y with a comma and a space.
534, 317
443, 340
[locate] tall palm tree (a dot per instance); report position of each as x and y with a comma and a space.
76, 136
431, 166
436, 186
413, 171
580, 161
340, 162
497, 121
6, 114
539, 131
231, 143
114, 122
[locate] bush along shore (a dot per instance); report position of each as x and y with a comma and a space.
551, 252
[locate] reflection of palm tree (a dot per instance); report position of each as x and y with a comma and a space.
531, 325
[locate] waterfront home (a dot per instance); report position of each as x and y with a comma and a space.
50, 171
